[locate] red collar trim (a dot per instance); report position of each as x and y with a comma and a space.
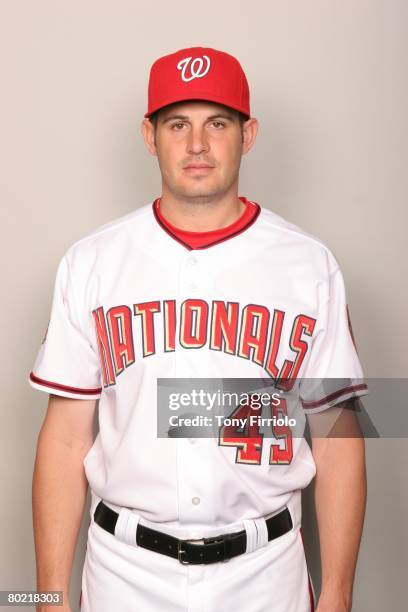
211, 237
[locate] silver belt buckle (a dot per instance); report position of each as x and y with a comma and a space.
181, 551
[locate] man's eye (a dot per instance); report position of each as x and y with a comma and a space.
177, 126
218, 124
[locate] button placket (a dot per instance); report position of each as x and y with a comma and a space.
193, 481
193, 505
190, 274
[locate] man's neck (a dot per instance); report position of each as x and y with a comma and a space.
201, 216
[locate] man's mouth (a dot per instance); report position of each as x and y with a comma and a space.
198, 167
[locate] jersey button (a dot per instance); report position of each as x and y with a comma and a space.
196, 501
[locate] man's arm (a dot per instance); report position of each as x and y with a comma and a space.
340, 499
59, 490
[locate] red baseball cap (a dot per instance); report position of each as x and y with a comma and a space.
198, 73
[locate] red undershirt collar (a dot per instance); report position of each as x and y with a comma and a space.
202, 240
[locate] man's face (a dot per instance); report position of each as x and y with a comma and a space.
199, 146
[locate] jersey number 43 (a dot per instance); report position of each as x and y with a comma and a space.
248, 439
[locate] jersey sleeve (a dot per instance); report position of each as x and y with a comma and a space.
66, 363
333, 373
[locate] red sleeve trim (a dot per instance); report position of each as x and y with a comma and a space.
54, 385
335, 395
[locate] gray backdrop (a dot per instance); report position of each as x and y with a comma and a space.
329, 87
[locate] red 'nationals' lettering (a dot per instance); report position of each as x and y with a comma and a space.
250, 332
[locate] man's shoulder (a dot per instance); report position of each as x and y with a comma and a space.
111, 233
286, 232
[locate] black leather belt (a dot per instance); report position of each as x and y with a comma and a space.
211, 550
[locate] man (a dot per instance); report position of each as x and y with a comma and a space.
200, 283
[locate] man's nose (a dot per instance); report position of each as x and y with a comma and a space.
197, 140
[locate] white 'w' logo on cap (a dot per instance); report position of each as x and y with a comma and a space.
196, 67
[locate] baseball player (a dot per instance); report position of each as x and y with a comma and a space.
199, 283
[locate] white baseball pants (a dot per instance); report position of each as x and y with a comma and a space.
119, 576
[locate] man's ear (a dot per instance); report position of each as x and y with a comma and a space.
148, 133
249, 132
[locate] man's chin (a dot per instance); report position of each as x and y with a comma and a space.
199, 198
199, 193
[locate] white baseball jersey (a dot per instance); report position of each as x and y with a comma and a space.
132, 303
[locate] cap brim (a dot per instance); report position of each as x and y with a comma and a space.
214, 99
